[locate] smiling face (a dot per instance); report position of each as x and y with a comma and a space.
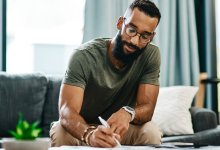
127, 47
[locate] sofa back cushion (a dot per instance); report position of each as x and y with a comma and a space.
172, 110
50, 111
23, 93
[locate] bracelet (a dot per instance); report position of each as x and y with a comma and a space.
87, 137
85, 132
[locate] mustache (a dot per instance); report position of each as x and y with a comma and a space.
131, 45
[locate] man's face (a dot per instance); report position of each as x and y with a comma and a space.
127, 47
119, 52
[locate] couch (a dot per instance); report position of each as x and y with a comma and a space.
36, 97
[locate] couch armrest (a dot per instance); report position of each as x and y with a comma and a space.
203, 119
207, 137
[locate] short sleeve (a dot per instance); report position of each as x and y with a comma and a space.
151, 71
76, 71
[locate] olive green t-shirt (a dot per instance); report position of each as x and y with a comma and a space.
107, 89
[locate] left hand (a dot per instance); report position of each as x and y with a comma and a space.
119, 122
103, 137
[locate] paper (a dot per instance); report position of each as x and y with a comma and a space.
96, 148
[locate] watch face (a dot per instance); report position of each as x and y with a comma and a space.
130, 109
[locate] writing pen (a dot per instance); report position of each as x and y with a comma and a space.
105, 123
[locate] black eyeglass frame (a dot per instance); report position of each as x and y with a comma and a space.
144, 38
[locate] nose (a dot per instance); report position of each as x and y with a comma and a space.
135, 39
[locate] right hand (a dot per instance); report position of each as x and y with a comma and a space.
103, 137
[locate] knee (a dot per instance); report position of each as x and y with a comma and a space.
150, 134
59, 136
56, 134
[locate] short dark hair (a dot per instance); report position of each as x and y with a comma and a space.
148, 7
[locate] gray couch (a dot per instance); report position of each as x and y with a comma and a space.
36, 97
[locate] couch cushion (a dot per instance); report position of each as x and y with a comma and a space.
23, 93
172, 109
50, 113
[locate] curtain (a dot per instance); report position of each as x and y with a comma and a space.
176, 35
3, 35
177, 40
206, 23
1, 57
101, 17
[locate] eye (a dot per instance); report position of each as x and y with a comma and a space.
131, 30
145, 36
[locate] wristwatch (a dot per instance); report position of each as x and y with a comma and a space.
130, 111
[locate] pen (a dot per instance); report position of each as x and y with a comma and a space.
104, 123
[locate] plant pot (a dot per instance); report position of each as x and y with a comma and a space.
37, 144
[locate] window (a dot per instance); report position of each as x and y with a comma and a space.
41, 34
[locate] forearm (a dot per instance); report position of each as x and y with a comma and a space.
73, 122
143, 113
145, 103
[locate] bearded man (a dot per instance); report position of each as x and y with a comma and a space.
117, 79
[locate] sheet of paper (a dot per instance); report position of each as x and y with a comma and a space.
164, 147
95, 148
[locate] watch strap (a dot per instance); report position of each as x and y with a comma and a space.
131, 111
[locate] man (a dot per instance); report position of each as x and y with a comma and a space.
117, 79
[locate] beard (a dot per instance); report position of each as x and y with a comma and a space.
119, 53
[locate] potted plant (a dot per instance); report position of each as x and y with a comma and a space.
26, 137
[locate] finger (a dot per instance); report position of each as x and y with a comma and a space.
105, 130
102, 143
99, 142
117, 136
110, 140
120, 130
106, 139
113, 128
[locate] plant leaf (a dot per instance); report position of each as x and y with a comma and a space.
25, 131
35, 124
20, 118
19, 131
36, 132
25, 125
15, 135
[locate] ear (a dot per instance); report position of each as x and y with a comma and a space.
120, 23
152, 37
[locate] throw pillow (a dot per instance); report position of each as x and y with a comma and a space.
171, 113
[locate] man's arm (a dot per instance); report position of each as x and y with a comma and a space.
70, 103
146, 101
145, 104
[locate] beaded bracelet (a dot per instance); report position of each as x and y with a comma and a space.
85, 132
88, 135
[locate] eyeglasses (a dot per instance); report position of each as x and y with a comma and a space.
132, 32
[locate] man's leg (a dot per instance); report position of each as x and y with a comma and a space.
59, 136
148, 133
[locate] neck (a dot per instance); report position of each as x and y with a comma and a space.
115, 62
